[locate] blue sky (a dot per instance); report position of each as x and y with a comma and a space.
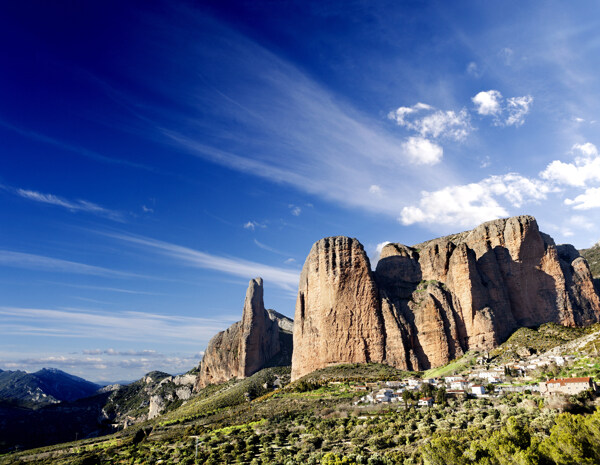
156, 156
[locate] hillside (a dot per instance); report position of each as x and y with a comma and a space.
528, 341
592, 255
44, 387
323, 425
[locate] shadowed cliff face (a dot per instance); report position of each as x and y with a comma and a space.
262, 339
428, 304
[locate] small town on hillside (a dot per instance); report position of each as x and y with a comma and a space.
482, 380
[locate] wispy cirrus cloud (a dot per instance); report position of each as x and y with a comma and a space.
252, 225
82, 151
58, 201
332, 149
72, 205
120, 326
43, 263
281, 277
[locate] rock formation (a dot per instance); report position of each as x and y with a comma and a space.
263, 338
337, 308
428, 304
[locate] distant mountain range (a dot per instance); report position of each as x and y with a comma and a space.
44, 387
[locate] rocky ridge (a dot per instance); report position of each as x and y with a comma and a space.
263, 338
428, 304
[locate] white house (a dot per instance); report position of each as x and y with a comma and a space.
384, 395
459, 385
477, 389
426, 402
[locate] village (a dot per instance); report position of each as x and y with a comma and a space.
484, 379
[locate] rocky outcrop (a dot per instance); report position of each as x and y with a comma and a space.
261, 339
428, 304
338, 317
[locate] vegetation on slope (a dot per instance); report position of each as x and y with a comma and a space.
215, 398
527, 341
592, 255
324, 427
356, 372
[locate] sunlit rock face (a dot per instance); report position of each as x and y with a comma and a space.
428, 304
262, 338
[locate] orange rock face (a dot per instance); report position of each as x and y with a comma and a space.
428, 304
263, 338
338, 308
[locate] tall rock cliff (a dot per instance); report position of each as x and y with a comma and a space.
428, 304
263, 338
337, 307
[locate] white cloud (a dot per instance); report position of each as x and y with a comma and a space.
146, 209
517, 108
579, 120
295, 210
281, 277
474, 70
488, 102
252, 225
511, 113
290, 261
584, 152
375, 189
464, 206
72, 205
582, 222
584, 169
113, 352
435, 124
470, 204
586, 201
421, 151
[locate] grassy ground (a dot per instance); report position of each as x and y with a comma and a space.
454, 367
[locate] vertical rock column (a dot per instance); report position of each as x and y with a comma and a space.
337, 312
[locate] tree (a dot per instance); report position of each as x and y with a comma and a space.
440, 397
406, 397
427, 390
443, 451
570, 441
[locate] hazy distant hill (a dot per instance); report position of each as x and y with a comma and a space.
47, 386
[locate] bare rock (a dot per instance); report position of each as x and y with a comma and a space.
157, 405
431, 302
337, 308
263, 338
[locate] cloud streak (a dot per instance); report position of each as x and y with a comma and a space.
72, 205
43, 263
120, 326
281, 277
